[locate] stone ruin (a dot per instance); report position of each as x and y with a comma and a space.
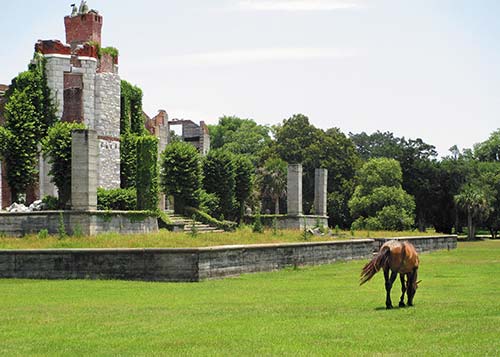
295, 219
85, 86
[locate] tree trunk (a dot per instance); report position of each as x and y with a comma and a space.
277, 206
421, 223
470, 227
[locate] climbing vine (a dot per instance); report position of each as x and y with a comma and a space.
29, 112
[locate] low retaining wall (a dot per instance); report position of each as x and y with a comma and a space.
87, 222
174, 264
193, 264
425, 243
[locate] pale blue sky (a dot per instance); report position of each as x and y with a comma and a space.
426, 68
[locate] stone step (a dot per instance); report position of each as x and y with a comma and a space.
189, 223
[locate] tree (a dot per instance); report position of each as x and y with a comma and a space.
377, 144
472, 199
272, 180
379, 202
220, 179
240, 136
147, 172
181, 174
57, 147
244, 178
489, 150
128, 159
29, 113
417, 160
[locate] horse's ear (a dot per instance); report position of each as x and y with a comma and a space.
418, 282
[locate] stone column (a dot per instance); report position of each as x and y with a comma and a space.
320, 191
84, 156
294, 190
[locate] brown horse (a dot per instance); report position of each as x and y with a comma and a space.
398, 257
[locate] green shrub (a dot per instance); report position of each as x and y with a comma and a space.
57, 147
128, 159
207, 219
257, 224
77, 231
44, 233
146, 180
181, 174
61, 230
209, 202
119, 199
51, 202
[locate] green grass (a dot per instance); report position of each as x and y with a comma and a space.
165, 238
304, 312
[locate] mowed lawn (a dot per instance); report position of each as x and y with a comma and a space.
305, 311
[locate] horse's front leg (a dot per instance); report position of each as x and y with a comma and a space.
388, 286
403, 290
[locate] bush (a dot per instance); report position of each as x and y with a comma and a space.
146, 180
257, 224
181, 174
119, 199
207, 219
128, 160
57, 147
209, 202
220, 179
51, 203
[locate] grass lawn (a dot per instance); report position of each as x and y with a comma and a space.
168, 239
307, 311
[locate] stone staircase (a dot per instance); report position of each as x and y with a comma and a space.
189, 222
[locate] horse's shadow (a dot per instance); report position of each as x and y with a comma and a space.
383, 308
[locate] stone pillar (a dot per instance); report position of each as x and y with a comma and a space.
294, 190
84, 156
320, 191
55, 67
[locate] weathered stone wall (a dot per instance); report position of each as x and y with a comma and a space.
191, 264
107, 124
424, 244
84, 174
55, 67
294, 190
89, 222
88, 69
174, 264
302, 221
109, 163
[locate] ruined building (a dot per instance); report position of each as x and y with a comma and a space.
84, 81
194, 134
85, 86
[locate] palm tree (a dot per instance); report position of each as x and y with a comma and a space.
473, 201
272, 179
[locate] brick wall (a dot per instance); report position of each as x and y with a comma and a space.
83, 28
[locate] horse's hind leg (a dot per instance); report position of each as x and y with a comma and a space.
403, 290
388, 286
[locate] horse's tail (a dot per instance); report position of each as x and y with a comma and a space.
371, 268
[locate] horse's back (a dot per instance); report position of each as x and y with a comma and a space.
403, 257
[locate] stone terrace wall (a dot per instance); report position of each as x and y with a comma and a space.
173, 264
90, 223
424, 244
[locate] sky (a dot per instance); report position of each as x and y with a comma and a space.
424, 69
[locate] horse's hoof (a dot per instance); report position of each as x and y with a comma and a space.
410, 304
401, 304
388, 307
